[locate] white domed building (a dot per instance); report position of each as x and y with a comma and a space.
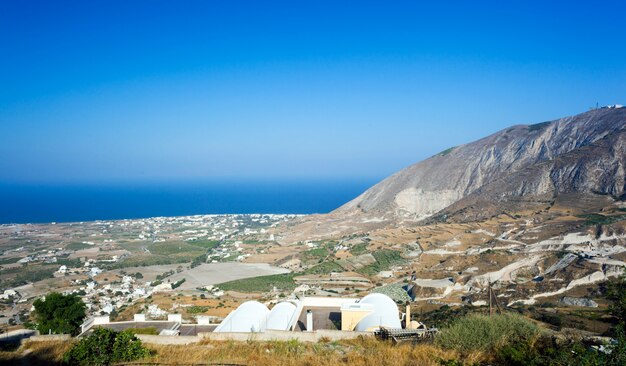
251, 316
383, 312
281, 316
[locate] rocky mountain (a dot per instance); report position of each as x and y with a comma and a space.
583, 154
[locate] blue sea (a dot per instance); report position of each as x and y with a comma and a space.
44, 203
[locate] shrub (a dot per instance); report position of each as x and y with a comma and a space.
104, 347
617, 294
487, 334
197, 309
178, 283
548, 351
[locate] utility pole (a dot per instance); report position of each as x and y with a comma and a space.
489, 294
493, 299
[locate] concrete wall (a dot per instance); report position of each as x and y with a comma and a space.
49, 337
274, 335
99, 320
278, 335
155, 339
350, 318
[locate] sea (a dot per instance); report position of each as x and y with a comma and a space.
47, 203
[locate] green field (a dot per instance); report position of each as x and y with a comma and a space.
9, 260
175, 249
385, 259
22, 275
283, 282
145, 260
324, 268
77, 246
359, 249
598, 219
206, 244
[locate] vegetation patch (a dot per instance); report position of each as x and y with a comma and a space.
385, 259
106, 347
395, 291
481, 333
206, 244
178, 283
176, 249
71, 263
359, 249
147, 330
59, 314
146, 260
283, 282
324, 268
447, 151
599, 219
317, 254
26, 274
538, 126
9, 260
197, 309
78, 246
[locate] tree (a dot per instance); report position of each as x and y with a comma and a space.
59, 314
617, 294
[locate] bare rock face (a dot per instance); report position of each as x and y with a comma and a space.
585, 153
578, 301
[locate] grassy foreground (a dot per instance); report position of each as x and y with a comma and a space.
363, 351
507, 339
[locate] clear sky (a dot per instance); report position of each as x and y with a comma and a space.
179, 90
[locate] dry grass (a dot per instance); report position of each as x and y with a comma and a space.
36, 353
360, 352
357, 352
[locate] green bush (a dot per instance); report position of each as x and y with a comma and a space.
178, 283
104, 347
487, 334
548, 351
197, 309
617, 294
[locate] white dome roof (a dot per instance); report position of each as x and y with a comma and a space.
385, 313
248, 317
280, 316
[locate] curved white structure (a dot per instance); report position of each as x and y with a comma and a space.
384, 313
248, 317
280, 316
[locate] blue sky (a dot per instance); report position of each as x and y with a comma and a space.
163, 90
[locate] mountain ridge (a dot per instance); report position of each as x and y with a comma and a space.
546, 158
